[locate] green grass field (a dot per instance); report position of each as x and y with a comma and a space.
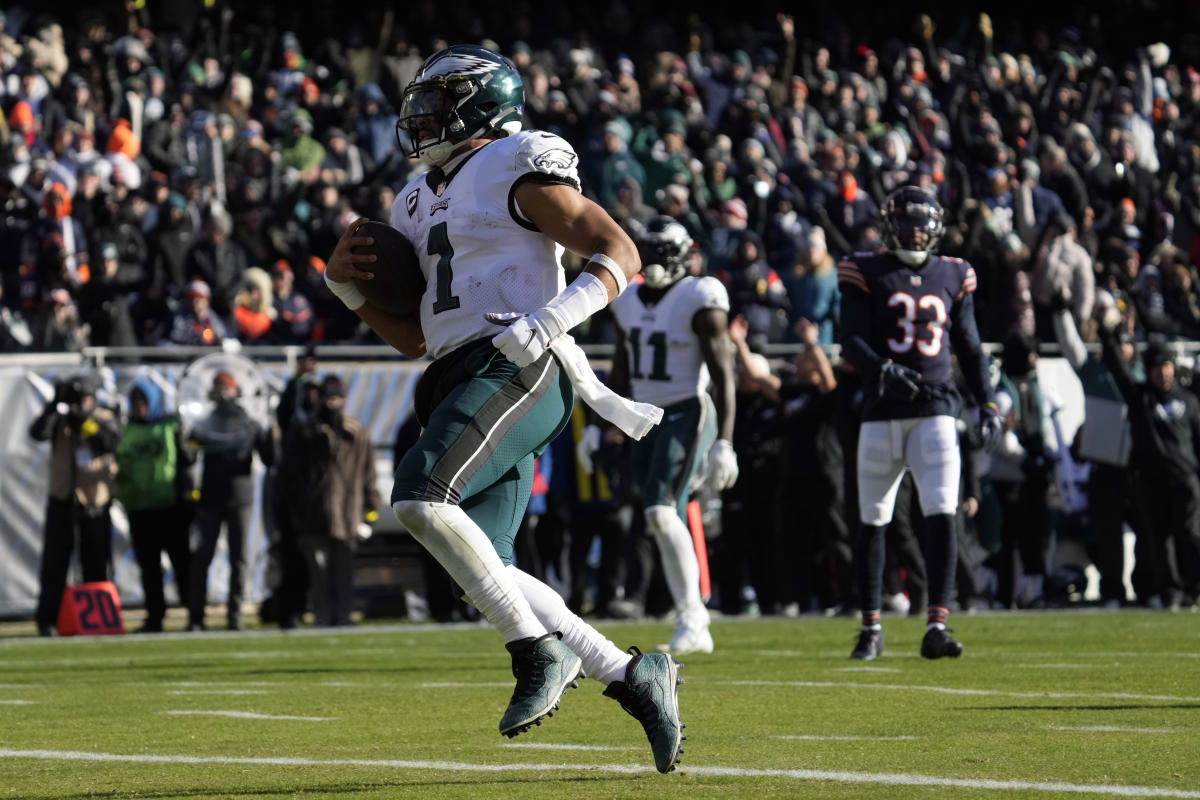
1041, 705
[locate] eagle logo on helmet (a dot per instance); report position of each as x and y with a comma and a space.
663, 246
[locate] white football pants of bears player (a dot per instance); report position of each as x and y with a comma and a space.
927, 446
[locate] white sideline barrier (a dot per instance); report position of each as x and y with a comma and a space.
379, 393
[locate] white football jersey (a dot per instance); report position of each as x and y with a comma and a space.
478, 253
666, 364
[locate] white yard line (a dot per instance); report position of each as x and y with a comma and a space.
207, 684
1109, 729
245, 715
552, 746
224, 692
1062, 666
837, 776
464, 685
902, 687
16, 702
866, 669
802, 737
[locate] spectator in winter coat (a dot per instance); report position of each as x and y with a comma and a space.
227, 439
152, 482
194, 323
293, 321
329, 470
1062, 266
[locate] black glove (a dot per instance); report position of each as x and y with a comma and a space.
898, 381
991, 427
1059, 302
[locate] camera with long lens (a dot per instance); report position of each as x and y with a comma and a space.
69, 394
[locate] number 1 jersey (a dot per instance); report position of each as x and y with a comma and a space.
477, 251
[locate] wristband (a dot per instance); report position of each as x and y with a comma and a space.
347, 292
585, 296
613, 268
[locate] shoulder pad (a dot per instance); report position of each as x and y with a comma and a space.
711, 292
848, 273
537, 151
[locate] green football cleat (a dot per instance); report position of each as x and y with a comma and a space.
544, 668
650, 693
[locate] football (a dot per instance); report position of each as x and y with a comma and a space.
398, 283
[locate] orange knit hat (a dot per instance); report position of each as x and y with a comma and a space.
122, 140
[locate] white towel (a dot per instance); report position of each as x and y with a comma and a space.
636, 419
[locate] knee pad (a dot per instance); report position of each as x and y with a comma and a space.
660, 520
414, 515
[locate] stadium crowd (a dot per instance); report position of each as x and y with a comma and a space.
182, 183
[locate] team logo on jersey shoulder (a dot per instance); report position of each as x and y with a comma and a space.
410, 202
556, 159
440, 205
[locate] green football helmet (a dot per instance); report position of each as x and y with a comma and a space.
460, 93
663, 247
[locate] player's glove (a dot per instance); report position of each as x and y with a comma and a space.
990, 426
898, 381
722, 464
523, 339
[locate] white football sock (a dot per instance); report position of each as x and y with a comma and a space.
601, 659
465, 551
680, 567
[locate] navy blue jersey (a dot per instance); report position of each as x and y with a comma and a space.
914, 317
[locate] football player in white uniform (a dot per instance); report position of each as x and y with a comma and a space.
489, 222
673, 341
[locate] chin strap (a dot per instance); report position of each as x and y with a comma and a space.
914, 258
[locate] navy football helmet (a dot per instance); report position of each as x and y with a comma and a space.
912, 224
463, 92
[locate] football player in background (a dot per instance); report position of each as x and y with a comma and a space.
489, 222
902, 312
672, 342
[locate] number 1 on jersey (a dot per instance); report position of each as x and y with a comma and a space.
439, 245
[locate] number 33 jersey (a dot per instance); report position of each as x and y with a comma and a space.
914, 315
478, 252
666, 364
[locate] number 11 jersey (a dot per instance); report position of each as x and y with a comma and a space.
666, 364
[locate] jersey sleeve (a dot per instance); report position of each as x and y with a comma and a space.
969, 281
545, 157
710, 293
850, 277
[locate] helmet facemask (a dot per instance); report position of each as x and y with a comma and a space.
464, 92
912, 226
664, 249
428, 118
